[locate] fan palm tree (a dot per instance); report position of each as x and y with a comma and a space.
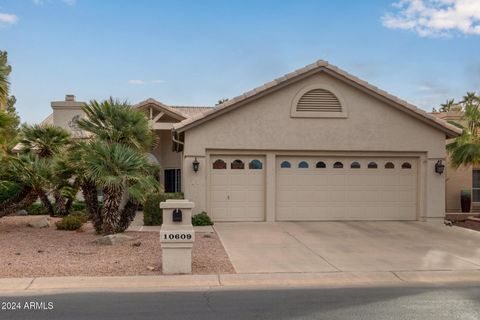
33, 174
115, 121
125, 175
44, 140
465, 150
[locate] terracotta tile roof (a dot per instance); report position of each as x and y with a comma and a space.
320, 65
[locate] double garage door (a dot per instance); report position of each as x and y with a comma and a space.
314, 188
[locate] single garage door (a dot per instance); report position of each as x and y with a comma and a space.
345, 188
237, 188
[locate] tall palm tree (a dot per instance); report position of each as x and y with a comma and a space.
465, 150
447, 106
5, 70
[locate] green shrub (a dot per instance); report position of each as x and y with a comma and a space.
82, 215
152, 214
78, 206
70, 222
36, 209
202, 219
9, 189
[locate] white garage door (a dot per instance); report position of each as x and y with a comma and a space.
341, 188
237, 188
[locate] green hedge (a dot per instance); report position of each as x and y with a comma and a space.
36, 209
8, 190
71, 222
152, 214
202, 219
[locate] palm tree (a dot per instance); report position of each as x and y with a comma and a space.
33, 174
115, 121
5, 70
125, 175
44, 140
447, 106
50, 143
114, 160
465, 150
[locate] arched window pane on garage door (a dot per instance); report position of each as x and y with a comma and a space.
303, 165
285, 164
389, 165
372, 165
320, 165
355, 165
219, 164
237, 164
338, 165
406, 165
255, 165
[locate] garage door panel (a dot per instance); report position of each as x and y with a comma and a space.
237, 194
346, 193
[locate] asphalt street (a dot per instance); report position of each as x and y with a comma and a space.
405, 302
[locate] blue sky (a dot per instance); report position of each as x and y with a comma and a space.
196, 52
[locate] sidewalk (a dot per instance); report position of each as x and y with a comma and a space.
183, 282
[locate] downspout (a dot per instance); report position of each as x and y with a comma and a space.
175, 140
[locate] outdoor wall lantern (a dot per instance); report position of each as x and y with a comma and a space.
195, 164
439, 167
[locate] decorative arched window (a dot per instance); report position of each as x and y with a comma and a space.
303, 165
389, 165
355, 165
285, 164
320, 165
372, 165
219, 164
406, 165
338, 165
255, 165
237, 164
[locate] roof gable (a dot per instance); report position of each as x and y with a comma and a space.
319, 66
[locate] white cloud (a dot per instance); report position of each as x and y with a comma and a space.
69, 2
38, 2
435, 17
158, 81
136, 82
8, 18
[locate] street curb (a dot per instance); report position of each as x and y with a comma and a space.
172, 282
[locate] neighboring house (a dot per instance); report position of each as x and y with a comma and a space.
315, 144
464, 177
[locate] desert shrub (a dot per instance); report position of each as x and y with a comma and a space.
82, 215
152, 214
9, 189
36, 209
201, 219
78, 206
70, 222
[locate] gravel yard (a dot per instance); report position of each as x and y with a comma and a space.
29, 252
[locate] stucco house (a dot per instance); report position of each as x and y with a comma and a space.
315, 144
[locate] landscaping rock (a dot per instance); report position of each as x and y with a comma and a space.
112, 239
150, 268
22, 213
39, 223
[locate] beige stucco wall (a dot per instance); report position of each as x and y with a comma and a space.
265, 124
457, 180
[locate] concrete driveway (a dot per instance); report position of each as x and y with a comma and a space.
348, 246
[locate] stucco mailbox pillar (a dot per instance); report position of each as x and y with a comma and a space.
177, 236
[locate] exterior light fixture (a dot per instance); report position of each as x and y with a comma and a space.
439, 167
195, 165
